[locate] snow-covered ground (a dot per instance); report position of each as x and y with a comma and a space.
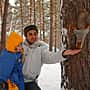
50, 77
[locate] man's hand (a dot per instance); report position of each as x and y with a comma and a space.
71, 52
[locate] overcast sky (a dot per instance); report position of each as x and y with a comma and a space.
12, 1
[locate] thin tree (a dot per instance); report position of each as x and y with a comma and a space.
30, 12
21, 16
4, 22
34, 2
42, 18
0, 8
51, 25
55, 24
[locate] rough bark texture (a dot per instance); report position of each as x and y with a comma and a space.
4, 21
76, 70
72, 9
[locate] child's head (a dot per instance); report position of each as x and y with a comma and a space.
13, 42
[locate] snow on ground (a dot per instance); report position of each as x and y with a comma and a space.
49, 78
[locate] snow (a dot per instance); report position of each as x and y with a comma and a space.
49, 78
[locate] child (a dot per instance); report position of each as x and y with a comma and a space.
11, 64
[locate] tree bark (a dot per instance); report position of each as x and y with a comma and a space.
76, 73
4, 21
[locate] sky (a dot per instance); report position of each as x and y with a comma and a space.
12, 1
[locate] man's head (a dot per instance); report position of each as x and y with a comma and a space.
28, 28
31, 33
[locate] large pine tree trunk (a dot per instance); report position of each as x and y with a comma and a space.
76, 16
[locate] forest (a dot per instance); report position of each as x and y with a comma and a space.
60, 23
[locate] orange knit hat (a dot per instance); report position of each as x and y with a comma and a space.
13, 40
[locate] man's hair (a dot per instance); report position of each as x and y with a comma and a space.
30, 27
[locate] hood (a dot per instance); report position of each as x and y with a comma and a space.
13, 40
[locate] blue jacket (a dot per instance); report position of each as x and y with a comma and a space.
11, 68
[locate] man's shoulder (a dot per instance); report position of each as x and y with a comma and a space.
41, 43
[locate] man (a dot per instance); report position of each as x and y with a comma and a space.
36, 55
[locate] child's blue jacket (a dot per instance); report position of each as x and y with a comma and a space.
11, 68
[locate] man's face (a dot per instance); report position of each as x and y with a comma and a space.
32, 36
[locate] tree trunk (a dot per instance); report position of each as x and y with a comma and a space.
0, 8
21, 16
51, 25
34, 6
42, 19
76, 69
4, 21
30, 11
